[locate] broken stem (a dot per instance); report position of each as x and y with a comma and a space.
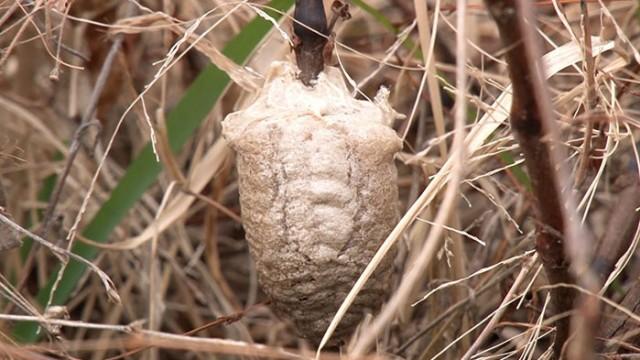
311, 32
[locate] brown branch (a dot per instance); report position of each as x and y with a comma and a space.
531, 123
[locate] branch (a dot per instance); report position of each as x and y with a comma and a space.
532, 123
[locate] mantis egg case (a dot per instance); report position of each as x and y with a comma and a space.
318, 195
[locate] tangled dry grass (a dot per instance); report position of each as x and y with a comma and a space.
98, 103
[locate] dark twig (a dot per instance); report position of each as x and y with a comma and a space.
71, 50
84, 124
310, 44
313, 40
532, 125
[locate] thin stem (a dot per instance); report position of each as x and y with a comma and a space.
591, 98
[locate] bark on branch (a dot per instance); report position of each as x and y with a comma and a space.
531, 123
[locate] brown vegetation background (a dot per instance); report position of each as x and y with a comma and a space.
518, 226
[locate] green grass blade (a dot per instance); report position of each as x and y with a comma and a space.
182, 121
518, 172
379, 16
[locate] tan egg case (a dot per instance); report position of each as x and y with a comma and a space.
318, 194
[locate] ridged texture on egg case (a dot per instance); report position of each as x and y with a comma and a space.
318, 195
